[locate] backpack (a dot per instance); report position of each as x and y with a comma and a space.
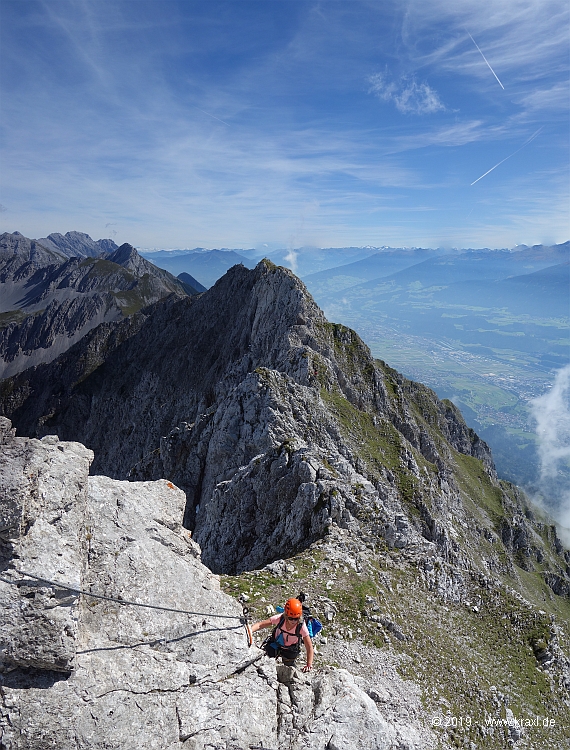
313, 625
274, 648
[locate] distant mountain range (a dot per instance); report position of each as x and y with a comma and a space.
327, 270
307, 260
77, 244
486, 328
379, 264
209, 265
205, 266
441, 295
531, 294
50, 300
434, 267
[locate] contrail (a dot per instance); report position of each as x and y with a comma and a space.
214, 116
484, 58
533, 136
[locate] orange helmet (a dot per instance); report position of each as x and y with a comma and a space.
293, 608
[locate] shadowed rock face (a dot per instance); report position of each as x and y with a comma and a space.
49, 302
78, 672
276, 423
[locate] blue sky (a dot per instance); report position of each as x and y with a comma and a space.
184, 124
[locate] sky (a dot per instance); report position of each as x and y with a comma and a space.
173, 124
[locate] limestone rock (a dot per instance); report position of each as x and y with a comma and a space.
78, 672
82, 672
75, 244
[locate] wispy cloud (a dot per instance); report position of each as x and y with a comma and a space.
527, 40
291, 259
542, 99
219, 127
409, 96
551, 412
450, 135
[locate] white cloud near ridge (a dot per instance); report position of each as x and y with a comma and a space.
409, 96
551, 412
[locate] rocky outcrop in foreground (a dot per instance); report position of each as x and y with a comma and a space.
77, 672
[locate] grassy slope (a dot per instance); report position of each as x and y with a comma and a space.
457, 655
462, 654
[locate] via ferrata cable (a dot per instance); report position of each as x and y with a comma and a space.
124, 602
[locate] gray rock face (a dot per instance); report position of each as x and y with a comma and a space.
127, 257
44, 492
16, 250
78, 244
77, 672
43, 336
50, 302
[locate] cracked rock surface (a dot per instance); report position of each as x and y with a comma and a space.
81, 672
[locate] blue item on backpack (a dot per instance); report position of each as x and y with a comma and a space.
313, 626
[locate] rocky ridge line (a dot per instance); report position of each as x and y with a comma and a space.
74, 244
277, 425
49, 302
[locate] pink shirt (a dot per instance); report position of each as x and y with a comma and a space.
288, 630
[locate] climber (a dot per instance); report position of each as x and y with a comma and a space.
288, 630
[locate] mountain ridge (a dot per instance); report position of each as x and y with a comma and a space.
297, 343
50, 301
77, 244
306, 463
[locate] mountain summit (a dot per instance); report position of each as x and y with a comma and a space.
77, 244
306, 463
